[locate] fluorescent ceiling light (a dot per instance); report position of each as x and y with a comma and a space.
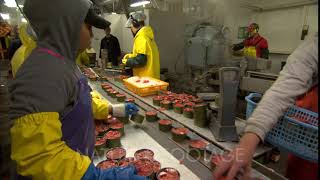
10, 3
5, 16
23, 20
139, 3
113, 13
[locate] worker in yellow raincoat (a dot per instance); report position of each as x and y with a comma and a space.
144, 58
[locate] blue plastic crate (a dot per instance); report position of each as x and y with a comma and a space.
251, 105
299, 138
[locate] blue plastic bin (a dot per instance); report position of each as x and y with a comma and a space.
299, 138
251, 105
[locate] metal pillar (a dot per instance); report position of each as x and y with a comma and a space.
223, 126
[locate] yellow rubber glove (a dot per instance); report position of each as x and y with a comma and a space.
124, 61
126, 57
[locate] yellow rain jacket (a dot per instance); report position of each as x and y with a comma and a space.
42, 140
41, 150
144, 43
28, 44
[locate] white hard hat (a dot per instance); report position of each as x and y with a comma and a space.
135, 17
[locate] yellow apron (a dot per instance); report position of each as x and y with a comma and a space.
250, 51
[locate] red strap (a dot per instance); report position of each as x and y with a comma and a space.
50, 52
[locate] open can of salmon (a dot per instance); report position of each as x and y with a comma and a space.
116, 154
168, 174
145, 168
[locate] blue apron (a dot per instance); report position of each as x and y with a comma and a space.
78, 124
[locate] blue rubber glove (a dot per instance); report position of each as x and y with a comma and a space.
118, 173
131, 109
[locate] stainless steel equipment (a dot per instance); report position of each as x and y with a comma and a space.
206, 47
255, 76
223, 125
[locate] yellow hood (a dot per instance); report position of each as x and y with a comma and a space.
146, 31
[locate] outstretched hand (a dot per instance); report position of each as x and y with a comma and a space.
238, 162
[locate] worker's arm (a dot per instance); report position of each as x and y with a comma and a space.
39, 151
135, 62
237, 47
294, 80
100, 106
265, 53
263, 45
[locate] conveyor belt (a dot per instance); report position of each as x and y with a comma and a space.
203, 132
136, 139
200, 167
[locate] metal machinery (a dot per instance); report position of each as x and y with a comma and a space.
206, 47
206, 50
255, 75
208, 68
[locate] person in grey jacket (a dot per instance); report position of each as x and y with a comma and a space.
298, 76
52, 105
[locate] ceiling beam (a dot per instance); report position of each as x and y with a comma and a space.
289, 5
258, 7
